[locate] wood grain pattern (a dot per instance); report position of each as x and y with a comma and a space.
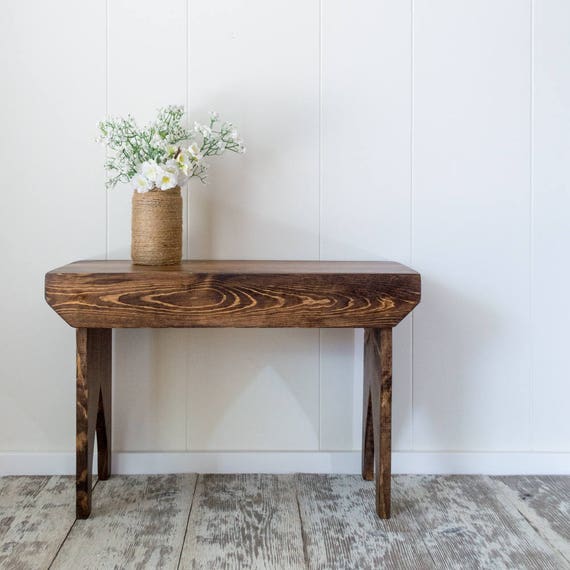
233, 294
35, 517
465, 525
140, 522
545, 503
244, 521
341, 530
377, 419
93, 416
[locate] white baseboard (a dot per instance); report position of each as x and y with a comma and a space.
490, 463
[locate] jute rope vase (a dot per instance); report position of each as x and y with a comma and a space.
156, 231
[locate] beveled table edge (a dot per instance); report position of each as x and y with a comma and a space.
236, 267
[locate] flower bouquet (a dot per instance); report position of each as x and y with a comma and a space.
156, 160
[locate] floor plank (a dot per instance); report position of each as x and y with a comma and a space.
36, 514
244, 521
341, 529
545, 503
137, 521
287, 522
465, 525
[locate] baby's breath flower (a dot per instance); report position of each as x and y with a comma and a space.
163, 153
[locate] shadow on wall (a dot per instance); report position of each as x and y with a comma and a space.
251, 389
149, 390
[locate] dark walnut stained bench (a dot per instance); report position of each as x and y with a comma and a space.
98, 296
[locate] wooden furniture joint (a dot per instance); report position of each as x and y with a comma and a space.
97, 296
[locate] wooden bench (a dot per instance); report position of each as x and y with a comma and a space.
98, 296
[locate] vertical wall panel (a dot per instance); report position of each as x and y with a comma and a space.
53, 205
471, 200
551, 235
146, 70
365, 193
256, 63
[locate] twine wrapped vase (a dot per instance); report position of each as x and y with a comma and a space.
156, 231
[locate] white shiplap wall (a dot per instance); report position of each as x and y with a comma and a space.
433, 132
471, 226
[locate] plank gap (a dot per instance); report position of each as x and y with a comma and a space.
188, 520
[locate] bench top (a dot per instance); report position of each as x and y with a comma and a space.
238, 266
216, 293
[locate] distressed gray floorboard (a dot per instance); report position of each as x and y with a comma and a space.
342, 531
466, 525
137, 521
244, 521
36, 514
254, 521
543, 501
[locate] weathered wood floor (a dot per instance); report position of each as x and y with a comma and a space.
287, 521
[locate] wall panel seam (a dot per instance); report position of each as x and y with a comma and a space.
412, 212
187, 440
106, 114
531, 236
187, 122
320, 192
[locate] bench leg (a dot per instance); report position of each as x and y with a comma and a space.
377, 416
93, 411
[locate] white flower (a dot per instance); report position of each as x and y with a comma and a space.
141, 183
233, 134
183, 160
171, 166
166, 179
150, 170
213, 115
181, 172
171, 149
194, 151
